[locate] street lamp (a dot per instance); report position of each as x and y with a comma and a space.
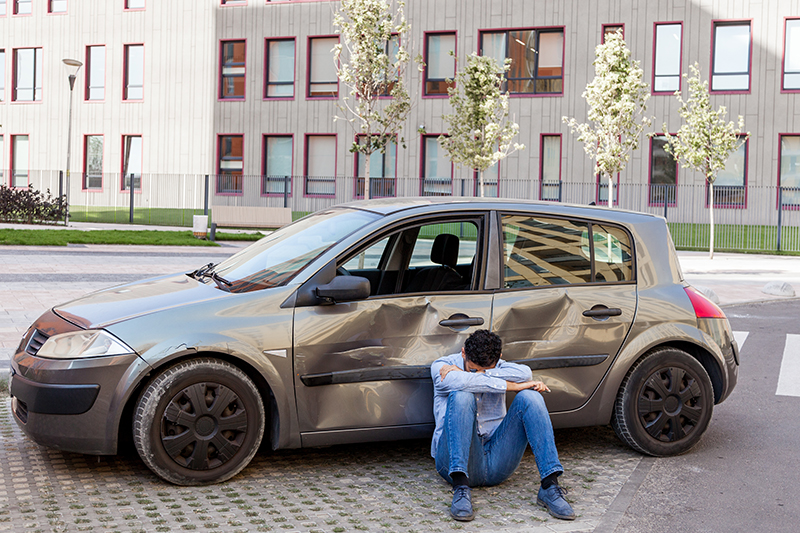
72, 63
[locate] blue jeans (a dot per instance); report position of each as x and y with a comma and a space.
488, 463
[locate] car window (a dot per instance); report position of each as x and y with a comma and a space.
369, 258
539, 251
613, 258
465, 234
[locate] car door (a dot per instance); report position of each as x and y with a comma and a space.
362, 368
566, 302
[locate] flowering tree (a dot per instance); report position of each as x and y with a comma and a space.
705, 141
373, 67
617, 100
479, 133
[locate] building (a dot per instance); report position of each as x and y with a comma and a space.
244, 91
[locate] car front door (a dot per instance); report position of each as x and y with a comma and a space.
362, 368
566, 302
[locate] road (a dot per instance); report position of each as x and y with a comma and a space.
743, 476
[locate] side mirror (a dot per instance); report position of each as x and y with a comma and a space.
344, 289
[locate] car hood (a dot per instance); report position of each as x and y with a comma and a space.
123, 302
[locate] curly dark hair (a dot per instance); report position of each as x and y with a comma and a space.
483, 348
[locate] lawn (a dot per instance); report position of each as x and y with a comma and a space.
62, 237
153, 216
736, 238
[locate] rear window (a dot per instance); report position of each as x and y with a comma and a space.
541, 251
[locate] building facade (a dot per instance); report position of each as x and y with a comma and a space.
245, 91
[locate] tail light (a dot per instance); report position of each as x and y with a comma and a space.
703, 307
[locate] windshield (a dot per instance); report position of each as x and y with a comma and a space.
278, 257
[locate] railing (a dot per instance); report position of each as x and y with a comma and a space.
746, 218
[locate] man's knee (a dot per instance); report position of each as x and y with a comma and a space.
531, 401
462, 401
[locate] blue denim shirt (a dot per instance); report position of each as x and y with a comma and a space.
489, 388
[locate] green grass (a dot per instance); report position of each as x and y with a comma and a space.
144, 215
43, 237
736, 238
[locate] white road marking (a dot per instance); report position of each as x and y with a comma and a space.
740, 337
789, 378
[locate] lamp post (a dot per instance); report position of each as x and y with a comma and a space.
72, 63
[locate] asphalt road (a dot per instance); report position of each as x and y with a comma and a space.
743, 475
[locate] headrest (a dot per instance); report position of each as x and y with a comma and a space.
445, 250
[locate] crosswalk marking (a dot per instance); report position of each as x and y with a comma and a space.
789, 378
740, 337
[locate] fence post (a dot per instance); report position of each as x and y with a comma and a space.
130, 191
205, 196
665, 200
286, 191
780, 212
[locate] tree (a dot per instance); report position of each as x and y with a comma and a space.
704, 141
617, 98
375, 67
479, 133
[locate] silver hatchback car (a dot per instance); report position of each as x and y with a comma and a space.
323, 333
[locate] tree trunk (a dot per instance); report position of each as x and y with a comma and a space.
367, 189
610, 191
711, 215
480, 181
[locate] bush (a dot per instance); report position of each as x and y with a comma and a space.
30, 206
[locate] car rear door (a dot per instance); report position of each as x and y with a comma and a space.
566, 302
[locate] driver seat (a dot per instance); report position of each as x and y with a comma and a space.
444, 253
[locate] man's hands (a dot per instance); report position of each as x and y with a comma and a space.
511, 386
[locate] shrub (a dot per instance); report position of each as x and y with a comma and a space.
29, 206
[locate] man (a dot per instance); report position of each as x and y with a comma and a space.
475, 442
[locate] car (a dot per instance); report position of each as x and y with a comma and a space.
323, 333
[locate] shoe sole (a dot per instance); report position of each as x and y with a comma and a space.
541, 503
463, 518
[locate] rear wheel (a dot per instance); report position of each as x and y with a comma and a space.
198, 422
664, 403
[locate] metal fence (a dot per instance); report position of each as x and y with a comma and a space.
746, 218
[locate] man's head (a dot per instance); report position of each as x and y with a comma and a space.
482, 349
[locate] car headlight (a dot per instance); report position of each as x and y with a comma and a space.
89, 343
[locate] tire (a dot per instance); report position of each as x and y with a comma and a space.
184, 449
664, 404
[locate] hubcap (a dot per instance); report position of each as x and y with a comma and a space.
670, 404
203, 426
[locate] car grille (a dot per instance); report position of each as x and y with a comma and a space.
35, 343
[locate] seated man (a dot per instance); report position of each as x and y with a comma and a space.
475, 442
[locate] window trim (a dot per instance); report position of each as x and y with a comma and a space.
425, 79
783, 60
264, 174
786, 207
307, 136
218, 166
87, 71
731, 22
13, 157
422, 177
560, 165
220, 79
653, 90
650, 202
309, 49
123, 190
611, 25
51, 12
538, 29
15, 5
14, 99
744, 186
356, 178
267, 83
84, 188
125, 51
3, 71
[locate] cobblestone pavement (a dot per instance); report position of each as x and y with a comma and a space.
371, 487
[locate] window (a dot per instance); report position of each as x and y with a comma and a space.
730, 187
391, 48
540, 251
57, 6
437, 170
611, 28
382, 173
730, 70
667, 58
279, 70
323, 81
95, 72
2, 8
93, 162
133, 88
131, 162
791, 55
234, 2
789, 177
231, 164
27, 75
277, 164
537, 58
19, 160
550, 169
232, 70
2, 160
663, 173
320, 165
2, 74
22, 7
440, 66
134, 4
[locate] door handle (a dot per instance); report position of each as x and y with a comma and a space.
601, 311
461, 321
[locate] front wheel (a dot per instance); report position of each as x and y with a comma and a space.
664, 403
198, 422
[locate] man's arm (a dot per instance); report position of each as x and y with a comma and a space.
510, 372
456, 379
